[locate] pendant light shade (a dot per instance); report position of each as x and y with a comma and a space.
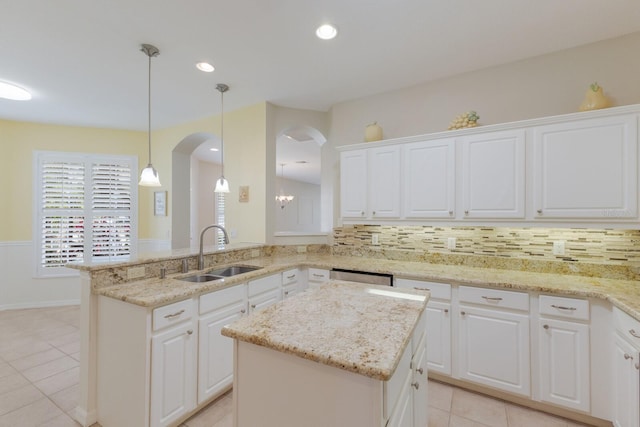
149, 176
222, 185
283, 198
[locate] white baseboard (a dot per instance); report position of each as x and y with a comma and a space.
85, 418
43, 304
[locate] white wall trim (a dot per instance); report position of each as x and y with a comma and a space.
45, 304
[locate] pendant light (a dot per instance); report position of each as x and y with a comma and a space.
222, 185
149, 176
284, 199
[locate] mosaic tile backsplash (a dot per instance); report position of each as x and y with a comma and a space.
587, 251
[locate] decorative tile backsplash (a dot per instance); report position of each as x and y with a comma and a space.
614, 253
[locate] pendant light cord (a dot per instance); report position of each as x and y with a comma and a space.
149, 109
222, 131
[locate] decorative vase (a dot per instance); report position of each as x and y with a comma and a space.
594, 99
372, 132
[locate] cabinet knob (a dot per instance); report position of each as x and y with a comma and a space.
415, 385
634, 333
451, 213
546, 326
539, 211
243, 311
190, 331
627, 357
286, 293
420, 371
361, 213
462, 313
253, 306
466, 212
374, 212
637, 365
446, 310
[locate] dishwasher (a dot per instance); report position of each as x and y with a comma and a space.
362, 277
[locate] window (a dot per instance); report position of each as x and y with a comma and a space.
219, 202
86, 209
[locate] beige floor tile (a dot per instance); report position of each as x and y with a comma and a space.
63, 420
226, 421
12, 382
67, 399
76, 356
6, 369
438, 417
457, 421
49, 369
440, 395
38, 413
37, 359
524, 417
71, 348
24, 349
18, 398
213, 413
479, 408
61, 340
59, 381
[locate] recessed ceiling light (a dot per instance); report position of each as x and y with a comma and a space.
13, 92
213, 149
326, 32
205, 66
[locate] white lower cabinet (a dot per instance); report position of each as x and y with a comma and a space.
215, 351
493, 339
173, 373
626, 371
291, 283
264, 292
564, 352
316, 277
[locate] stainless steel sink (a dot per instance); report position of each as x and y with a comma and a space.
233, 270
199, 278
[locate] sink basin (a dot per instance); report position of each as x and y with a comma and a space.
233, 270
199, 278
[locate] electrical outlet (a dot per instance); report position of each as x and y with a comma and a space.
255, 253
375, 239
558, 247
451, 243
135, 272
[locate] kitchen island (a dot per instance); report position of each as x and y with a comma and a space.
345, 354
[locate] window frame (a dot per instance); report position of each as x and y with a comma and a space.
88, 160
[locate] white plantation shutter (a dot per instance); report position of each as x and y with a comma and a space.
220, 219
86, 209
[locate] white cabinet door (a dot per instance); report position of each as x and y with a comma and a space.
420, 385
626, 383
564, 363
493, 175
384, 182
215, 361
173, 374
586, 169
439, 337
402, 415
353, 184
262, 301
494, 349
429, 179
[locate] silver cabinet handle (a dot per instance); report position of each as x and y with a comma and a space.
291, 277
243, 311
286, 292
561, 307
634, 333
637, 365
450, 212
492, 298
539, 211
190, 331
416, 385
176, 314
420, 371
253, 306
317, 275
421, 289
546, 326
627, 357
466, 212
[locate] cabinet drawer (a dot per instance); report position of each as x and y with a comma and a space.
172, 314
494, 298
570, 308
627, 326
290, 276
393, 388
222, 298
438, 290
318, 275
264, 284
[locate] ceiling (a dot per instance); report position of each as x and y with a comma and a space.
82, 63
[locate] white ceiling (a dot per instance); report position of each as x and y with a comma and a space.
81, 58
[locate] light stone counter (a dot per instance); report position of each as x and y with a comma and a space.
356, 327
625, 294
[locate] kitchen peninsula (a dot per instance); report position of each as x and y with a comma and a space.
344, 354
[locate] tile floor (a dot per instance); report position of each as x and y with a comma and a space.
39, 382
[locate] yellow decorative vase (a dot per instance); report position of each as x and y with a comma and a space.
372, 132
594, 99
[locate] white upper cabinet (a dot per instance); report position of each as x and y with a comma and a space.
586, 169
370, 183
428, 169
493, 175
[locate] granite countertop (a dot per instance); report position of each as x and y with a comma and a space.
625, 294
352, 326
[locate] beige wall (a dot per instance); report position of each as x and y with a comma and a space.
18, 142
537, 87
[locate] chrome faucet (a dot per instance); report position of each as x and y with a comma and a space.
201, 255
